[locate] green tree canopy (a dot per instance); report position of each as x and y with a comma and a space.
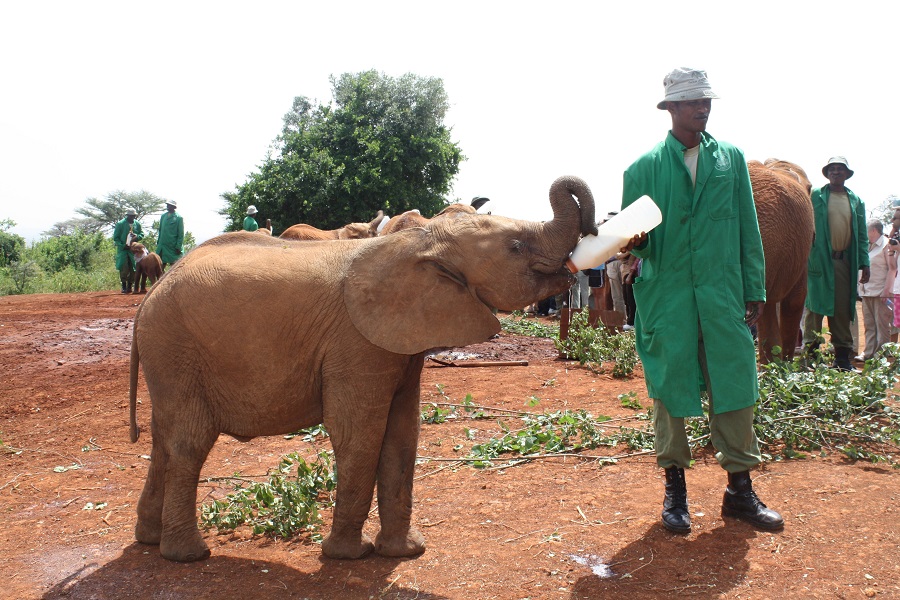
11, 245
380, 145
101, 215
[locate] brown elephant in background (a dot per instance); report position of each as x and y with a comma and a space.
413, 218
147, 265
350, 322
781, 193
351, 231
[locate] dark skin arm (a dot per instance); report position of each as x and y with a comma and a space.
753, 309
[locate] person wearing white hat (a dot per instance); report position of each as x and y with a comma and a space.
126, 231
840, 251
170, 244
701, 285
250, 223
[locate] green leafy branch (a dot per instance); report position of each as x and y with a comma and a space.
592, 346
286, 504
817, 408
518, 323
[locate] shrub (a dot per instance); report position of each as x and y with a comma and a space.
11, 248
79, 250
20, 277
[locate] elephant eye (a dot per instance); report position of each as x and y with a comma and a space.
518, 246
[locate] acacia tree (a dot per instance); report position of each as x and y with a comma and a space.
884, 211
102, 214
381, 144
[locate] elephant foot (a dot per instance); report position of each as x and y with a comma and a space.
410, 544
189, 551
146, 533
346, 548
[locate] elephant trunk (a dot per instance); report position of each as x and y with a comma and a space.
573, 216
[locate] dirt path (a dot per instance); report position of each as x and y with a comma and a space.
561, 528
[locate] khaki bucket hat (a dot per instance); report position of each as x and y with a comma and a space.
837, 160
685, 84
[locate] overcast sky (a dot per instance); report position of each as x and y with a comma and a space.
182, 99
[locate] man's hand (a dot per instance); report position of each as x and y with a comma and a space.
635, 241
864, 277
753, 312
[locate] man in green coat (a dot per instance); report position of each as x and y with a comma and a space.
702, 283
840, 250
170, 245
126, 231
250, 223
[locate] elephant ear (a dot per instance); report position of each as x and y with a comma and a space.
405, 299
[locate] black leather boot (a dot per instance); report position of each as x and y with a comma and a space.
741, 502
842, 359
675, 516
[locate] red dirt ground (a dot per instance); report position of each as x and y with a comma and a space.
537, 530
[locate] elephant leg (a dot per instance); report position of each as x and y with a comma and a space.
150, 506
396, 468
791, 315
167, 509
181, 540
356, 436
768, 332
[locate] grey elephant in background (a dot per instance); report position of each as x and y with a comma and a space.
350, 322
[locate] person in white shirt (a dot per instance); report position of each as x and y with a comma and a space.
877, 291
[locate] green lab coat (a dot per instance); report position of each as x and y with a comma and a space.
701, 266
820, 275
250, 224
120, 237
170, 244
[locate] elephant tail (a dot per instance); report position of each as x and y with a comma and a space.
132, 390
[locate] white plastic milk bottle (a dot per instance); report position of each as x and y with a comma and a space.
594, 250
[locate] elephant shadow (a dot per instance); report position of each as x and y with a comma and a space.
139, 572
662, 565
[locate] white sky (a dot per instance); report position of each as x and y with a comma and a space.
183, 98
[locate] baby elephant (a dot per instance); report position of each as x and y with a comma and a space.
147, 266
351, 321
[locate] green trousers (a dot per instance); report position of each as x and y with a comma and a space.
126, 274
731, 433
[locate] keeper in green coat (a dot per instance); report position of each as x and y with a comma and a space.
250, 223
170, 245
129, 226
702, 284
840, 251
